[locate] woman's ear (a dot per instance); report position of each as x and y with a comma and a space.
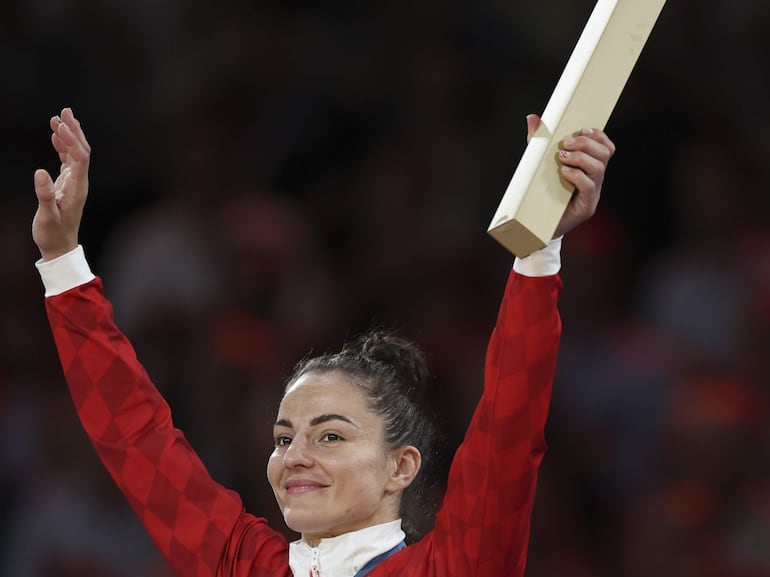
406, 464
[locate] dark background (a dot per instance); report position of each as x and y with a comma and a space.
270, 177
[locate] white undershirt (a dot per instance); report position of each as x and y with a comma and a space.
345, 555
543, 262
65, 272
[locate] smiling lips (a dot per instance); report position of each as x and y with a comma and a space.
301, 486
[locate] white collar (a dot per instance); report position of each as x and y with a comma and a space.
346, 554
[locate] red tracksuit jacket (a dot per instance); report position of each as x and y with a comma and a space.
482, 528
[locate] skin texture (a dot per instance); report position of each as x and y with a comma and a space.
331, 470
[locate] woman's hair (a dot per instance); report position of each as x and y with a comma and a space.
393, 375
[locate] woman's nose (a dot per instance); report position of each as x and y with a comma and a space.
297, 454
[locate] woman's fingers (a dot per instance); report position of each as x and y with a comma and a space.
82, 148
70, 142
589, 151
44, 189
48, 216
577, 161
584, 159
580, 179
75, 153
73, 139
57, 142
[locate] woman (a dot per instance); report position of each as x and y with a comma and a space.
349, 435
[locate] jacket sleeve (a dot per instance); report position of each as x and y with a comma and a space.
483, 526
198, 525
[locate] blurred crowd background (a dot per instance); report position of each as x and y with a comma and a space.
270, 177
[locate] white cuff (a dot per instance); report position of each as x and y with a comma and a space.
65, 272
543, 262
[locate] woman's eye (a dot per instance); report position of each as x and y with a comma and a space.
282, 441
331, 437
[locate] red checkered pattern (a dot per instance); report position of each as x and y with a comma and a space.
482, 528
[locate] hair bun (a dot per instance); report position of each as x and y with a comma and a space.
401, 356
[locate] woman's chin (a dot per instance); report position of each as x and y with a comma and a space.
304, 522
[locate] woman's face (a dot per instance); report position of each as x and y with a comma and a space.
331, 471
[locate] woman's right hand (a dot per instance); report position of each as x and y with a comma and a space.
60, 202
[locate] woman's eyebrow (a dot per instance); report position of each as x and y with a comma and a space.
330, 417
325, 418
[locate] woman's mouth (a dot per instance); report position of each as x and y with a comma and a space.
302, 486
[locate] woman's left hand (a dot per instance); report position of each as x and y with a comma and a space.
584, 158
